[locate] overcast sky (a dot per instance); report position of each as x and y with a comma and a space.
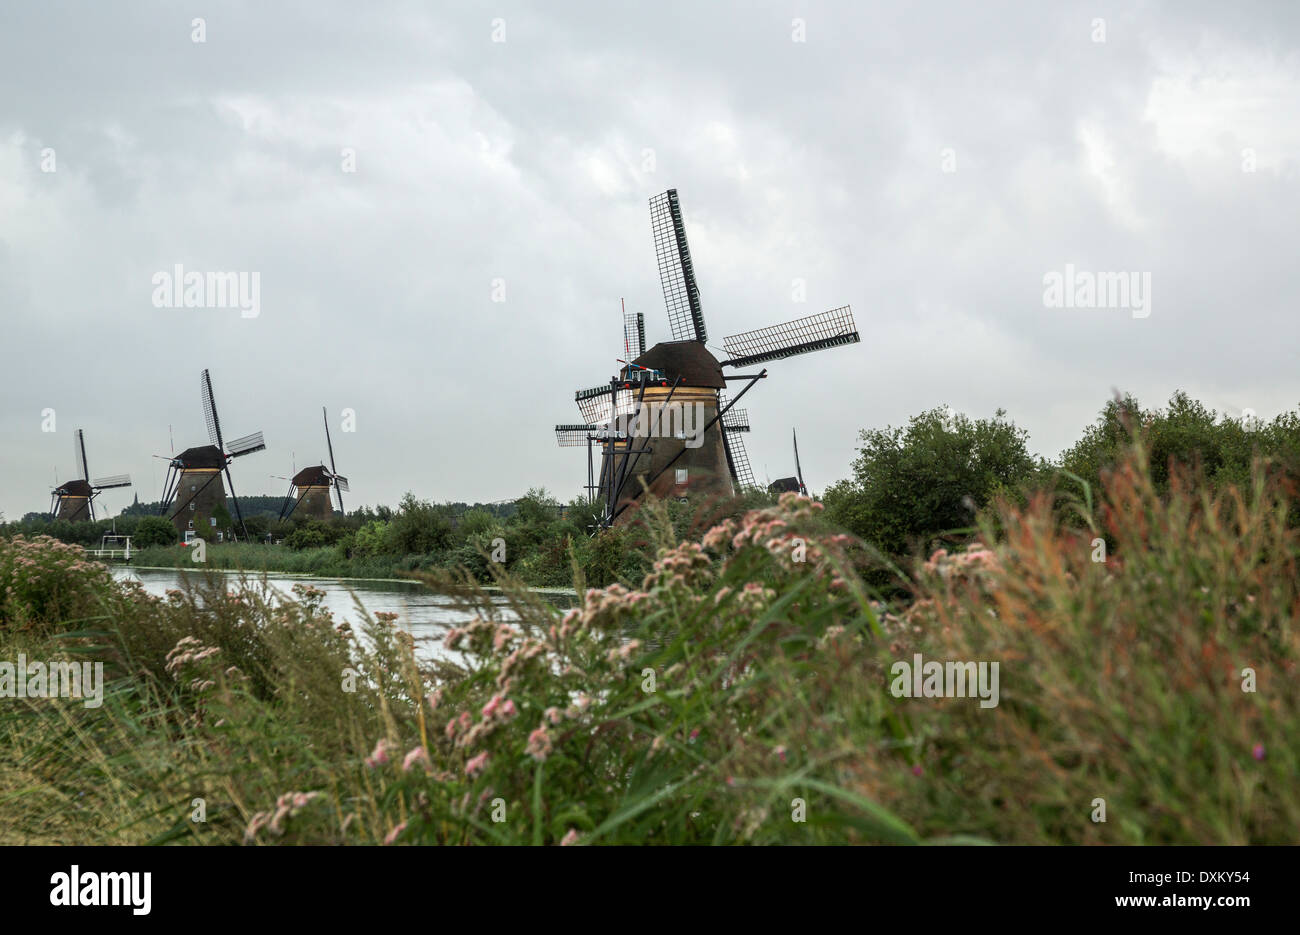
927, 163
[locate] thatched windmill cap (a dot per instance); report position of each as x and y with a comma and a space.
205, 456
690, 360
315, 476
784, 485
74, 488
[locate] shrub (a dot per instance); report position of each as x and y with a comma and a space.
1184, 435
369, 539
418, 527
45, 583
153, 531
305, 537
931, 477
1124, 679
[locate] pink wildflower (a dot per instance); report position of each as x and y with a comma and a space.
476, 765
539, 744
416, 755
378, 756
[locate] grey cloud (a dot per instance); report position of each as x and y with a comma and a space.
522, 161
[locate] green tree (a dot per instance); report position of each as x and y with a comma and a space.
224, 521
1184, 434
258, 526
418, 528
154, 530
306, 537
370, 539
911, 483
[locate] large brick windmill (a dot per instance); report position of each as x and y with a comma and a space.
75, 500
639, 453
309, 489
193, 491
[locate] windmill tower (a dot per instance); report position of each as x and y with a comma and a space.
193, 492
309, 489
788, 484
75, 500
654, 453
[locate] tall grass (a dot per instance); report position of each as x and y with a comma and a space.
325, 561
738, 693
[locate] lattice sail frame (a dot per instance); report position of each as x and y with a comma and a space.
736, 420
633, 335
798, 469
739, 458
801, 336
600, 404
676, 272
247, 445
79, 450
115, 480
210, 412
574, 436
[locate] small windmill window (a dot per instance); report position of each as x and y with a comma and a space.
193, 507
192, 486
212, 521
681, 475
191, 524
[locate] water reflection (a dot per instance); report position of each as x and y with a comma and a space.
421, 613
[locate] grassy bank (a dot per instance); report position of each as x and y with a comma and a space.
738, 692
322, 562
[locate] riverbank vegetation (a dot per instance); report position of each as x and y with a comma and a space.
910, 490
537, 544
742, 690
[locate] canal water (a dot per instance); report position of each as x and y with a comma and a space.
423, 614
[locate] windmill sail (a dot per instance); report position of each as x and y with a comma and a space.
115, 480
239, 513
340, 482
575, 436
633, 335
803, 489
735, 420
801, 336
237, 449
595, 403
738, 460
600, 404
210, 412
676, 272
80, 449
247, 445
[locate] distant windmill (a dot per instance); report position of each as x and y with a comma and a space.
684, 371
75, 500
788, 484
194, 476
310, 487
